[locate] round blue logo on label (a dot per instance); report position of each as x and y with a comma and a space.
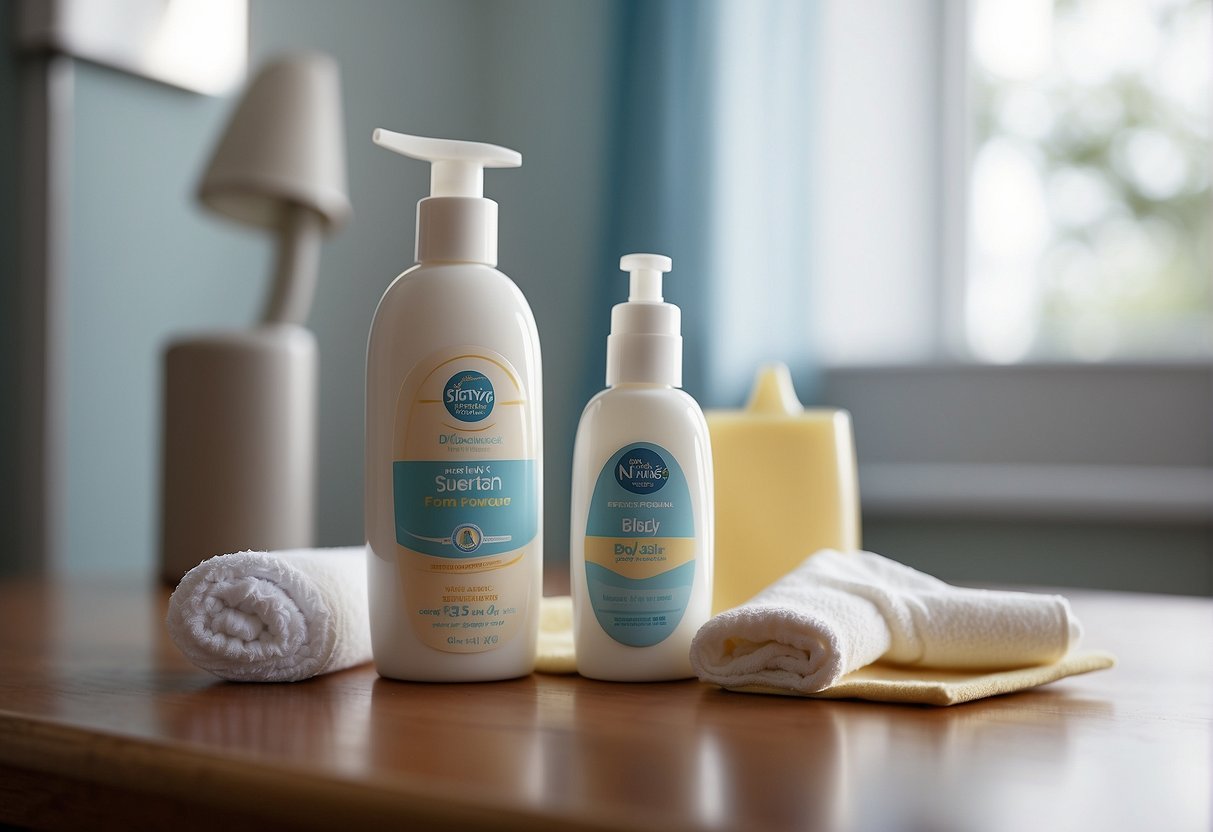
641, 471
468, 396
467, 537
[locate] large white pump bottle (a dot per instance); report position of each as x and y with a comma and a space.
641, 536
454, 457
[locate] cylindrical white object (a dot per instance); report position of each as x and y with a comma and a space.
640, 553
645, 344
640, 562
454, 229
239, 445
454, 443
454, 514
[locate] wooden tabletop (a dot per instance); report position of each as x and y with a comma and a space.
103, 722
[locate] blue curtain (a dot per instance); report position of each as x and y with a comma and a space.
712, 166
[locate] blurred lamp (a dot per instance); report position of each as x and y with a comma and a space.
240, 406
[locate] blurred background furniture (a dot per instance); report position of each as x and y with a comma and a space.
239, 435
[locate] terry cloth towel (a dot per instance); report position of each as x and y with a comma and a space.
274, 616
290, 615
839, 612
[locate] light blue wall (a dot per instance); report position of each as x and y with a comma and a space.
552, 105
146, 264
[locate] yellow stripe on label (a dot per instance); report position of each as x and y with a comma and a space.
639, 557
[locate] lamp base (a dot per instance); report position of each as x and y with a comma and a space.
239, 455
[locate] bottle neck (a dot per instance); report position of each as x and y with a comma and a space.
457, 229
645, 346
644, 358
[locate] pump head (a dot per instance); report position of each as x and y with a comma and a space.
457, 167
646, 270
455, 223
645, 344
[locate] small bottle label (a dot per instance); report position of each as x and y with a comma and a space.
640, 545
464, 489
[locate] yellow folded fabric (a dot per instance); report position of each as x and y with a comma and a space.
556, 653
886, 683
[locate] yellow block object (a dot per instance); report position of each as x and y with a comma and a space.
785, 486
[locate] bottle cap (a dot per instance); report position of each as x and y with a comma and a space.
645, 344
455, 223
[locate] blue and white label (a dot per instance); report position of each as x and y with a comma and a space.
640, 545
641, 471
465, 494
464, 509
469, 396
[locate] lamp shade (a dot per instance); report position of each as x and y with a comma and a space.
284, 147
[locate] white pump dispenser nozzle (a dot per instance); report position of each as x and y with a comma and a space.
455, 223
645, 344
646, 272
458, 167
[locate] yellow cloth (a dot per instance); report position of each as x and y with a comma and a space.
877, 682
556, 636
886, 683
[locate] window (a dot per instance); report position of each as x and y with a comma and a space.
1011, 211
1089, 201
1013, 181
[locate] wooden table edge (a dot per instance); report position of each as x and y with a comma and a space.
242, 787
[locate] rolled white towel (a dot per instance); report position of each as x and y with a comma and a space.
838, 612
274, 616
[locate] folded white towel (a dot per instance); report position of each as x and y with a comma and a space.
274, 616
838, 612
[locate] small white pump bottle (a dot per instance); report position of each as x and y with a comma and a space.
641, 547
454, 457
